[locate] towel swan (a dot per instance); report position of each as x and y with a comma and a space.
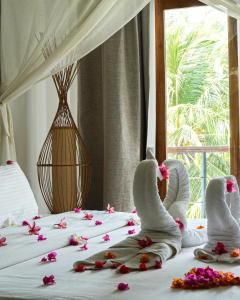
177, 198
222, 210
157, 227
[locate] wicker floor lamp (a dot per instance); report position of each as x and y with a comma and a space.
64, 170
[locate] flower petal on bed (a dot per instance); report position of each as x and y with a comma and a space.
110, 209
3, 241
49, 280
33, 229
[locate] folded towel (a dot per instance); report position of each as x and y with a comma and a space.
159, 238
223, 222
176, 202
177, 199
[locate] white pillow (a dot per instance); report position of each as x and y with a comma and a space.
16, 197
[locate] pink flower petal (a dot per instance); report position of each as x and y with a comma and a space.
33, 229
180, 224
122, 286
231, 186
41, 238
44, 260
164, 171
134, 211
131, 222
146, 242
110, 209
25, 223
49, 280
52, 256
73, 240
97, 222
131, 231
106, 238
87, 216
219, 249
85, 238
77, 210
79, 268
3, 241
84, 247
61, 225
36, 217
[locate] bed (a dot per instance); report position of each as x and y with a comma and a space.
21, 271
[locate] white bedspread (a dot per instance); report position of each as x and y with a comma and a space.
22, 246
24, 280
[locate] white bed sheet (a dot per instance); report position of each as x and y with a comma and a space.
22, 246
24, 280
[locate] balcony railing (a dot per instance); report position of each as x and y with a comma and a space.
203, 150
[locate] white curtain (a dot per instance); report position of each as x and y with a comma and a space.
73, 27
230, 7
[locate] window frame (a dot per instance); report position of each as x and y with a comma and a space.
161, 106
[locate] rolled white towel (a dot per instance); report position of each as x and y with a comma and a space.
223, 228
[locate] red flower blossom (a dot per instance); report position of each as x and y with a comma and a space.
142, 267
131, 222
99, 264
158, 264
51, 257
79, 268
77, 210
106, 238
3, 241
61, 225
49, 280
146, 242
41, 238
124, 269
87, 216
9, 162
84, 247
131, 231
97, 222
110, 209
25, 223
219, 249
231, 186
164, 171
34, 229
122, 286
74, 240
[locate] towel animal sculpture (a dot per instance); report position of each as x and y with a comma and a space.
223, 229
160, 237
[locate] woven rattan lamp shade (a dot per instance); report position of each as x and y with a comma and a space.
64, 170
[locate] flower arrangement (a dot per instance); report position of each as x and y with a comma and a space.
205, 278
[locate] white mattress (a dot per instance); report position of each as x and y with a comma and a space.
24, 280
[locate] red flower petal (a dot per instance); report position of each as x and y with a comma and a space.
122, 286
79, 268
124, 269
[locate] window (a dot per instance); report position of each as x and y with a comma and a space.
197, 93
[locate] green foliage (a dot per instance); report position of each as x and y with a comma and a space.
197, 85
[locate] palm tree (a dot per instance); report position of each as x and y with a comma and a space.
197, 85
